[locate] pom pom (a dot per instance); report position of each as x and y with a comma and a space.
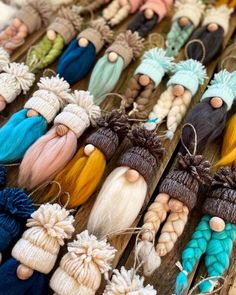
193, 67
224, 178
133, 40
103, 29
127, 282
71, 16
43, 8
159, 55
55, 220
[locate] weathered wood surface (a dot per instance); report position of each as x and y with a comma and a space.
164, 278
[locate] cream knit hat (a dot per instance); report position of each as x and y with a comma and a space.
15, 78
219, 15
52, 95
81, 268
192, 9
40, 244
79, 114
4, 58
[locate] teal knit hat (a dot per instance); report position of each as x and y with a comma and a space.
189, 73
224, 86
155, 64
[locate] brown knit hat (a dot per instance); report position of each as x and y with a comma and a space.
67, 24
98, 33
182, 184
221, 201
114, 127
128, 45
35, 14
145, 154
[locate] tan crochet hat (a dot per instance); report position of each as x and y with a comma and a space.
39, 246
98, 33
15, 79
128, 45
78, 116
219, 15
192, 9
52, 95
67, 24
35, 14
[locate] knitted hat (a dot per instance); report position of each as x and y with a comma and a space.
50, 98
128, 45
81, 268
40, 244
80, 113
15, 208
4, 58
67, 24
155, 64
35, 14
160, 7
189, 73
222, 199
98, 34
135, 4
113, 127
224, 86
182, 183
192, 9
145, 154
219, 15
127, 282
15, 78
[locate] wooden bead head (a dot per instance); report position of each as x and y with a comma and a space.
217, 224
32, 113
144, 80
83, 42
61, 130
51, 35
184, 22
216, 102
212, 27
112, 56
178, 90
148, 13
24, 272
88, 149
132, 175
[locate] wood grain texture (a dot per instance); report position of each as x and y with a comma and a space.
164, 278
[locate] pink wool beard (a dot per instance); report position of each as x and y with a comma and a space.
46, 158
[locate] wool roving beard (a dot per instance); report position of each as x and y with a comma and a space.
35, 254
209, 116
174, 101
50, 153
126, 187
83, 173
206, 41
30, 123
15, 208
14, 79
9, 12
183, 23
215, 234
126, 282
177, 197
118, 10
151, 13
30, 18
81, 269
118, 56
62, 30
80, 56
146, 78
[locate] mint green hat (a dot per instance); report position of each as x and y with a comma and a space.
189, 73
224, 86
155, 64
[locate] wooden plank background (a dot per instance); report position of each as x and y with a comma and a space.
163, 279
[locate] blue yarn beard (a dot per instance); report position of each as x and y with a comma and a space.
18, 134
10, 284
76, 62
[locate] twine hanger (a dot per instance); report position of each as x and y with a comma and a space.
195, 41
195, 140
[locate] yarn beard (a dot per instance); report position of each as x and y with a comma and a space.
142, 25
115, 13
217, 246
177, 37
104, 77
18, 134
10, 284
46, 157
212, 42
76, 62
80, 177
126, 197
208, 122
44, 53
